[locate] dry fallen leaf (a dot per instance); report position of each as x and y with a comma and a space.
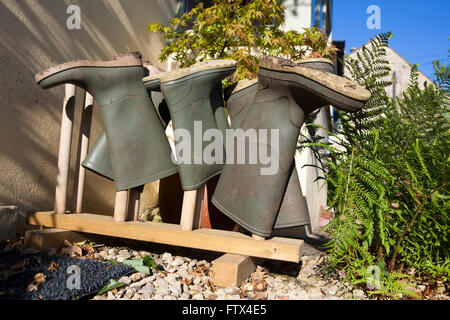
257, 279
71, 251
87, 248
211, 285
32, 287
20, 265
53, 266
39, 277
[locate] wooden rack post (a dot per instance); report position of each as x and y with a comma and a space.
65, 142
85, 133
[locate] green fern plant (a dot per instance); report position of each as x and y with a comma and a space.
388, 179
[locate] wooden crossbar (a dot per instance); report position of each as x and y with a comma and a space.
283, 249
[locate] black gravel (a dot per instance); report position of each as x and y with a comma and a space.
94, 276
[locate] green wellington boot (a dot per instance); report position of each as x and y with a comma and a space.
293, 212
286, 94
97, 160
194, 98
138, 149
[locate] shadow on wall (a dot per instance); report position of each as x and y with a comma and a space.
34, 37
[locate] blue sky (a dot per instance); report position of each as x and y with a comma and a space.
421, 28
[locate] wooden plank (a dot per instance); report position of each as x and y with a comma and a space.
65, 142
171, 234
231, 269
46, 238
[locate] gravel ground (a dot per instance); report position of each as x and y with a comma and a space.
186, 277
185, 274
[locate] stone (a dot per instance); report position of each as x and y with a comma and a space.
161, 283
163, 291
198, 296
110, 296
315, 293
120, 293
358, 294
125, 254
298, 294
177, 262
129, 293
172, 277
170, 298
99, 298
146, 296
136, 296
125, 280
158, 297
185, 296
167, 257
183, 273
147, 289
176, 290
138, 284
171, 269
195, 287
233, 297
271, 296
229, 290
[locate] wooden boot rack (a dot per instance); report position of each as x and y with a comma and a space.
230, 269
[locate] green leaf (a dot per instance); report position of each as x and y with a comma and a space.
112, 284
149, 262
114, 262
138, 265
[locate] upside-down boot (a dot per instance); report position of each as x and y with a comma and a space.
138, 148
97, 160
293, 208
293, 213
194, 98
247, 193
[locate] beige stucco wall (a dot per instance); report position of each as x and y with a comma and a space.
402, 69
34, 36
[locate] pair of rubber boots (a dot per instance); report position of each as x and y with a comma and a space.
284, 94
134, 149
